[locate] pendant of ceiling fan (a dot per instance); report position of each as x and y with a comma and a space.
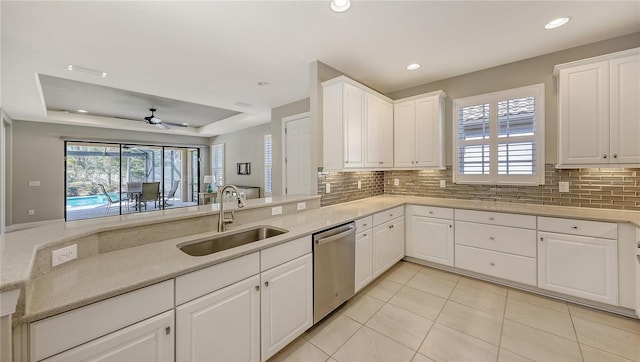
152, 119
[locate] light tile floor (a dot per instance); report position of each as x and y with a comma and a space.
416, 313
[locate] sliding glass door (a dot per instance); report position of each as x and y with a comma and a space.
105, 179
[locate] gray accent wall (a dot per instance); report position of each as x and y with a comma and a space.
38, 155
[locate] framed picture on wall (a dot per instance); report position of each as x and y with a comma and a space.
244, 168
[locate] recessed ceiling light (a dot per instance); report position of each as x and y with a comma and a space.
413, 66
82, 111
340, 6
264, 84
87, 70
557, 23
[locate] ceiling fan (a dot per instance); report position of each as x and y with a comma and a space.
152, 119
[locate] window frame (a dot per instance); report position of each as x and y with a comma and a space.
219, 175
494, 178
268, 165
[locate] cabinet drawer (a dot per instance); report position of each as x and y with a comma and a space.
598, 229
193, 285
506, 266
497, 238
364, 223
387, 215
64, 331
431, 211
285, 252
497, 218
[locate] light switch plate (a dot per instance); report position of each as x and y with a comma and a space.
396, 182
359, 184
34, 183
563, 186
327, 188
64, 255
301, 206
443, 183
276, 210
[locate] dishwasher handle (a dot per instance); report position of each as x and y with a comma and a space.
350, 230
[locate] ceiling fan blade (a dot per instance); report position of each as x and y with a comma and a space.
161, 125
183, 125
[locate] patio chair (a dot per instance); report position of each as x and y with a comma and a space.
172, 193
150, 192
110, 200
133, 190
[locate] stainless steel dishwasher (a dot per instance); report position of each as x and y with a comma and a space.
333, 269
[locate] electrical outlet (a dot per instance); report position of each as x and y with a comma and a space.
64, 255
327, 189
301, 206
443, 183
359, 184
34, 183
563, 186
396, 182
276, 210
32, 212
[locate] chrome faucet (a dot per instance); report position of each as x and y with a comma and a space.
222, 221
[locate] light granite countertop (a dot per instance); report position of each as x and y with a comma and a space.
108, 274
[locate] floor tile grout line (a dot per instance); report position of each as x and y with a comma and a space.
504, 314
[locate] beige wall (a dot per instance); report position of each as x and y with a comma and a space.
526, 72
38, 155
277, 114
244, 146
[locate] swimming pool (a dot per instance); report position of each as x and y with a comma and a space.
92, 200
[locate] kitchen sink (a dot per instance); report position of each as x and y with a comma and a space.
229, 240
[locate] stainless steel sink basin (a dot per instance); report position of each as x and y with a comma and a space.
229, 240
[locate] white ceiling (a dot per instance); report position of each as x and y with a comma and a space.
214, 53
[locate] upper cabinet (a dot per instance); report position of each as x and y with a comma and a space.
419, 131
357, 126
599, 111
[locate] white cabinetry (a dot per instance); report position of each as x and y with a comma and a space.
353, 116
599, 111
286, 303
388, 239
364, 249
430, 234
418, 126
379, 132
497, 244
578, 258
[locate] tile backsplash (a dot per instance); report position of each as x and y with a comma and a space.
607, 188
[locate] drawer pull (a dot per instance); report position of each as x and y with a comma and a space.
615, 155
266, 284
390, 226
492, 238
574, 227
364, 224
257, 288
541, 239
390, 215
365, 235
450, 225
491, 218
492, 264
167, 331
430, 212
604, 156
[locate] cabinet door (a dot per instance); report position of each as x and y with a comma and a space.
583, 108
363, 268
428, 132
431, 239
379, 132
397, 240
149, 340
382, 248
287, 303
585, 267
404, 133
221, 326
353, 126
625, 110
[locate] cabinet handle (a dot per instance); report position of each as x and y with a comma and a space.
492, 238
365, 235
604, 156
574, 227
541, 239
257, 288
390, 215
390, 226
431, 212
364, 224
491, 218
167, 331
492, 263
266, 284
450, 225
615, 155
380, 162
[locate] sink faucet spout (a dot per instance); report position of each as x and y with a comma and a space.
222, 221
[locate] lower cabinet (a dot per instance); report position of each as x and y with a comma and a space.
250, 320
388, 245
150, 340
221, 326
430, 234
363, 264
286, 304
581, 266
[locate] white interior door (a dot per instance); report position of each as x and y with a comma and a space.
297, 156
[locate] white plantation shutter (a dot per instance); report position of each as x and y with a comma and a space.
217, 163
499, 137
268, 162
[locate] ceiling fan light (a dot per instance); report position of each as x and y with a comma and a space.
340, 6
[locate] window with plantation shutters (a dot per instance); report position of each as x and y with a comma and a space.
217, 164
268, 162
499, 137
